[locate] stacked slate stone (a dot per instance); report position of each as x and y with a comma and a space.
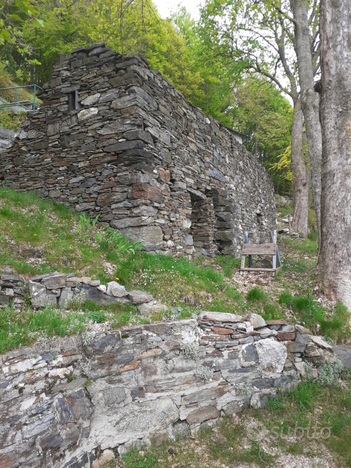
228, 331
76, 399
58, 290
114, 138
7, 138
12, 288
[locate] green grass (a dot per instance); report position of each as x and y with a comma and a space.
314, 316
311, 403
256, 294
12, 121
228, 264
306, 246
228, 447
22, 328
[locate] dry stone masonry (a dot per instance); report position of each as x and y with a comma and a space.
59, 289
115, 139
78, 401
7, 137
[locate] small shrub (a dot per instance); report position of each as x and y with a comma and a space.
113, 241
190, 350
77, 301
313, 236
274, 403
256, 294
329, 374
97, 316
204, 373
271, 312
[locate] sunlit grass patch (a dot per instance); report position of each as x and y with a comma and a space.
314, 316
256, 294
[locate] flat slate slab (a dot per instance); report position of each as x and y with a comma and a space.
343, 352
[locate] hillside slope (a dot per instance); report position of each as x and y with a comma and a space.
38, 237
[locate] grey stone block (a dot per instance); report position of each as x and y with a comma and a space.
40, 297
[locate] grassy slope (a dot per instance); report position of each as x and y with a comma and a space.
37, 236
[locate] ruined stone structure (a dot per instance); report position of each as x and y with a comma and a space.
114, 138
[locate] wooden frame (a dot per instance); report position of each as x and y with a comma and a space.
260, 249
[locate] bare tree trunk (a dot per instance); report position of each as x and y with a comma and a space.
298, 169
309, 100
335, 254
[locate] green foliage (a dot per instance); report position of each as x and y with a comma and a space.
21, 328
11, 121
312, 314
329, 374
13, 16
313, 236
97, 316
262, 113
139, 459
116, 243
228, 264
256, 294
271, 312
227, 447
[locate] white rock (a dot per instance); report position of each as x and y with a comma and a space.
255, 401
151, 307
91, 100
87, 113
257, 321
102, 288
220, 317
301, 367
321, 343
139, 297
272, 355
265, 331
115, 289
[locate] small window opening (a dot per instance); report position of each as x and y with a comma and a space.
73, 101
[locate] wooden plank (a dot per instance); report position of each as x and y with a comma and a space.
258, 249
260, 269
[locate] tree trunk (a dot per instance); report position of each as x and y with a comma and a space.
309, 100
298, 169
335, 254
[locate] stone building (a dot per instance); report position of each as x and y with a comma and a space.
116, 139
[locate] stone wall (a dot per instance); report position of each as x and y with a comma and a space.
114, 138
63, 404
7, 138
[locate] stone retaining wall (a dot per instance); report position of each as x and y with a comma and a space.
67, 403
114, 138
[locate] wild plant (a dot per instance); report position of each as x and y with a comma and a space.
190, 350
